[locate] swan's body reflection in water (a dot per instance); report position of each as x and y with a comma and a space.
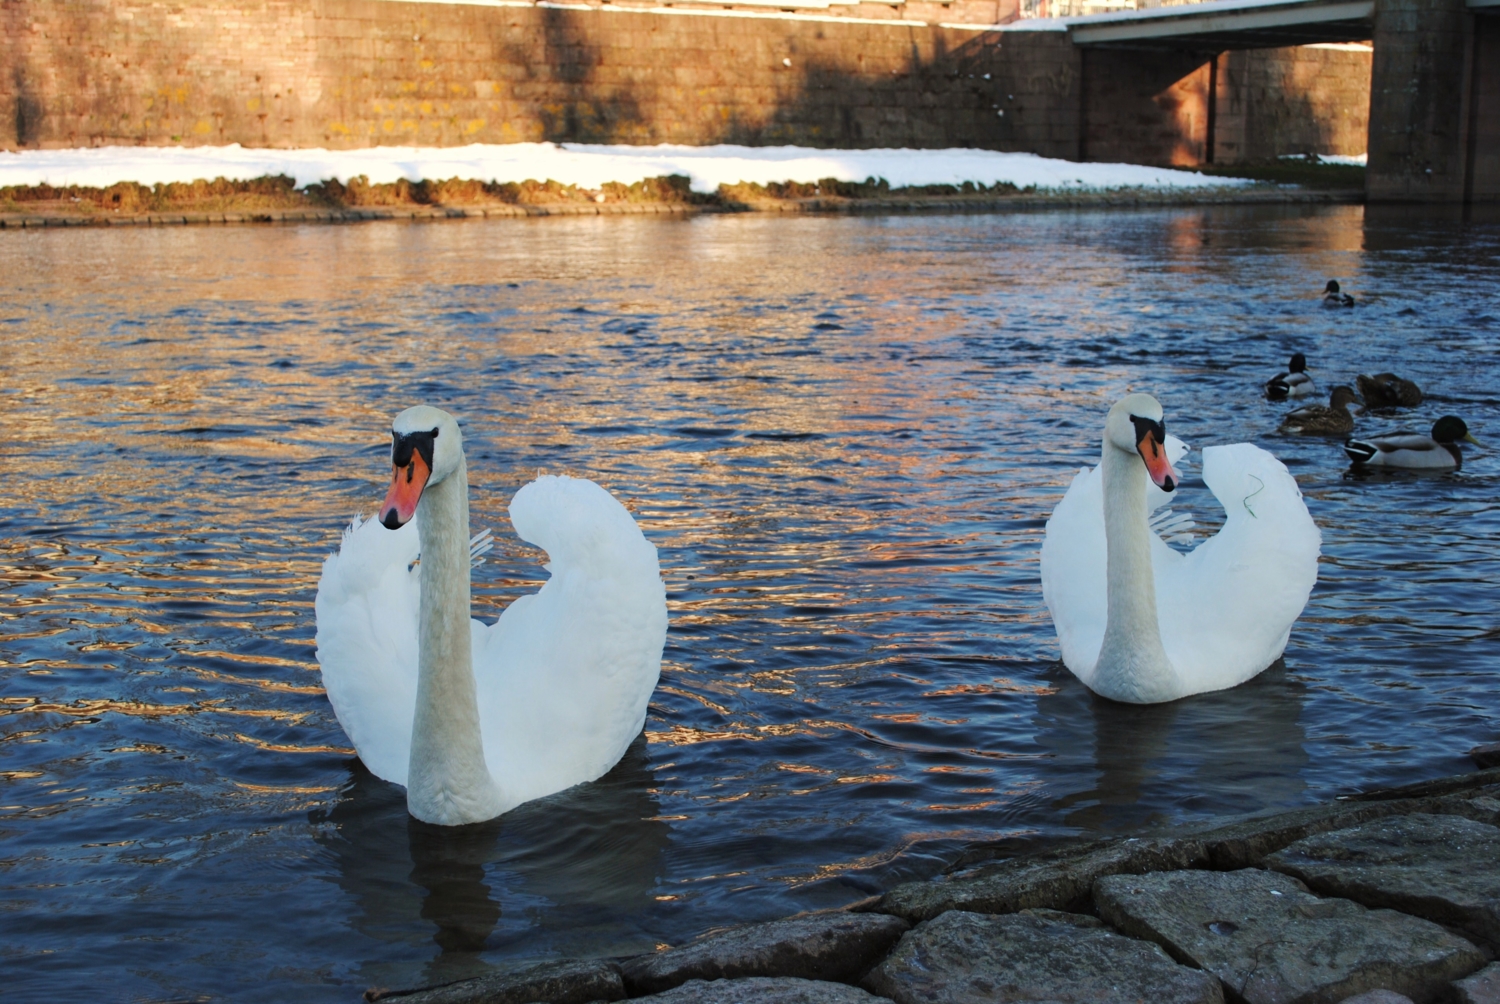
1232, 751
561, 876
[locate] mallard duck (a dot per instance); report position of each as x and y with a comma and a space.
1413, 450
1319, 420
1293, 383
1387, 390
1332, 297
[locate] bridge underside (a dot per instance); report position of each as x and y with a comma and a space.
1229, 25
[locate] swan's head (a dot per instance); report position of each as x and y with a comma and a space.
426, 447
1136, 425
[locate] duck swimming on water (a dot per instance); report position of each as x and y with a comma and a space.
1387, 390
1295, 382
1334, 297
1332, 419
1414, 451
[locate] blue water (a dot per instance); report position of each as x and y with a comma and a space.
844, 435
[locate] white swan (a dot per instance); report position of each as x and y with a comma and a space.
1142, 623
475, 719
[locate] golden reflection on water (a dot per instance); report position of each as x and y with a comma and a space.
844, 436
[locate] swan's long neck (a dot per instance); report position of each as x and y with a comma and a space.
1133, 665
447, 780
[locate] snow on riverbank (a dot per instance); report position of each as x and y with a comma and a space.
584, 165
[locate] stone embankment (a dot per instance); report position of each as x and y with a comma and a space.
1382, 898
1268, 195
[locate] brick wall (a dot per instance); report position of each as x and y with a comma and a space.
354, 73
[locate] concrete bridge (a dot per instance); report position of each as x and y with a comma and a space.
1434, 126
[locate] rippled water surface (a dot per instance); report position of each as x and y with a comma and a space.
844, 435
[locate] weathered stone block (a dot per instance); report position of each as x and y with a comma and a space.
569, 982
1443, 868
1272, 942
971, 958
1056, 881
1481, 988
762, 990
837, 947
1243, 843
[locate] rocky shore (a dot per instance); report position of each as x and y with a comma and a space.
54, 213
1380, 898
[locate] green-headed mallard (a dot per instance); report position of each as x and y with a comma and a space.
1333, 297
1414, 451
1293, 383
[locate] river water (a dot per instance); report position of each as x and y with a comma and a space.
843, 434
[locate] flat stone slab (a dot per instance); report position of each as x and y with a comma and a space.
840, 947
1056, 881
1443, 868
762, 990
1273, 942
1244, 843
567, 982
1060, 958
1481, 988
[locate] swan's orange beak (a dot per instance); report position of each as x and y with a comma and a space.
1154, 452
407, 483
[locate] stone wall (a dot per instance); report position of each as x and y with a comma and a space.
1273, 102
354, 73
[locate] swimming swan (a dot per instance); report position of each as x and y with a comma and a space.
475, 719
1142, 623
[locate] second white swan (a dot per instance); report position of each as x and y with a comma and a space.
475, 719
1142, 623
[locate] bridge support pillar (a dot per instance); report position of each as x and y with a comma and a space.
1426, 93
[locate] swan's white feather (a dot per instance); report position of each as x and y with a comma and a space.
562, 679
367, 641
1225, 608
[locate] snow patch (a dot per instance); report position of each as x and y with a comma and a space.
587, 166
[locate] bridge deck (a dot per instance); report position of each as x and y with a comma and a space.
1228, 24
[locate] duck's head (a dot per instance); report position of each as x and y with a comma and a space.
1298, 363
426, 447
1343, 395
1450, 429
1136, 425
1332, 287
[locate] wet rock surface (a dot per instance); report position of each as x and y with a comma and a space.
1481, 988
971, 958
1487, 755
568, 982
1046, 881
762, 990
1273, 942
1440, 867
840, 947
1403, 873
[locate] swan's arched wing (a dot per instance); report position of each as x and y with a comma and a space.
367, 641
1074, 564
1226, 608
565, 675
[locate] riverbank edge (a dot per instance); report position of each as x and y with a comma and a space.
1120, 198
982, 880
